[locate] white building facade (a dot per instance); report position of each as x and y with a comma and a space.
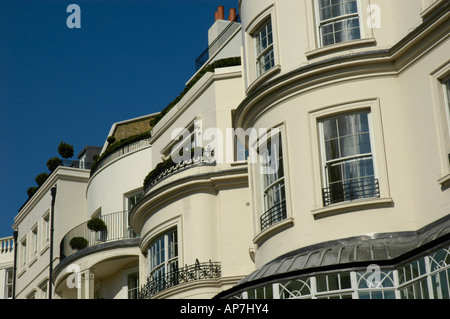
308, 158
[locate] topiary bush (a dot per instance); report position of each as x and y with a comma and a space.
53, 163
96, 224
65, 150
31, 191
111, 139
41, 178
78, 243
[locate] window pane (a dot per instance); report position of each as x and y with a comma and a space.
333, 282
340, 21
321, 283
345, 281
332, 149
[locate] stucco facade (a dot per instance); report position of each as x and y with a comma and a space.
338, 188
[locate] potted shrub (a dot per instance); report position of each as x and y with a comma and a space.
41, 178
78, 243
96, 224
65, 150
53, 163
111, 139
31, 191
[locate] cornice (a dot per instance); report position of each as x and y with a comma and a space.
62, 173
208, 181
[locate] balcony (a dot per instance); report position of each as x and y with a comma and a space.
274, 215
76, 164
117, 229
6, 245
191, 273
168, 168
125, 147
350, 191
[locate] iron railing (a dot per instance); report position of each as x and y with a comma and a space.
117, 229
197, 271
128, 148
76, 164
273, 215
176, 167
217, 43
350, 191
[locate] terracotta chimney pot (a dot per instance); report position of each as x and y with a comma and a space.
232, 15
221, 12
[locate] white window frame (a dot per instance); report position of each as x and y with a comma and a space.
320, 23
126, 275
132, 196
280, 181
325, 162
378, 151
262, 52
43, 289
167, 262
23, 253
8, 273
253, 78
439, 78
34, 242
45, 238
446, 89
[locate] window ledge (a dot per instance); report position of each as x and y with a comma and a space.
44, 249
264, 77
21, 272
273, 229
445, 180
351, 206
340, 46
32, 261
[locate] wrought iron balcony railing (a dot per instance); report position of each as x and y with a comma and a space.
76, 164
117, 229
274, 215
350, 191
177, 167
197, 271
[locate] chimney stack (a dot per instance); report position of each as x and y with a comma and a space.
232, 15
220, 13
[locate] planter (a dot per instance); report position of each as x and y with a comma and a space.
78, 243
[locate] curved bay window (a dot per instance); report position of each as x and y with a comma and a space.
338, 21
349, 172
163, 260
271, 158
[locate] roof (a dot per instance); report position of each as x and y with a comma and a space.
380, 247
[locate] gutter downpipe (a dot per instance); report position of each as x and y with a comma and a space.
15, 235
50, 285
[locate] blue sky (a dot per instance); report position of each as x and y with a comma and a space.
129, 58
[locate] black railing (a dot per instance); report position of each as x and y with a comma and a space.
173, 168
350, 191
117, 229
274, 215
76, 164
214, 46
198, 271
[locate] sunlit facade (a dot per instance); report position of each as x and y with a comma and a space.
308, 158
